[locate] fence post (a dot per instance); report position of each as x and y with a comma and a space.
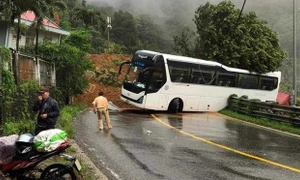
15, 64
38, 71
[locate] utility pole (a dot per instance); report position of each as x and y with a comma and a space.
109, 27
295, 56
240, 13
83, 3
1, 66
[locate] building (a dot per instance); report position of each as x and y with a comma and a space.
29, 67
51, 31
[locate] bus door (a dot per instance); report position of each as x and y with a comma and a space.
156, 100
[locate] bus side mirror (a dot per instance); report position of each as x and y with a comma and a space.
121, 66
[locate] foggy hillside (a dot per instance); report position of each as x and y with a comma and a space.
165, 8
278, 13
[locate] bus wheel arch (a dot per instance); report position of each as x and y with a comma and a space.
175, 106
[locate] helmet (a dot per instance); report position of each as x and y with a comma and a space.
24, 143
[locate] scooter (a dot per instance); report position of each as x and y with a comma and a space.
24, 165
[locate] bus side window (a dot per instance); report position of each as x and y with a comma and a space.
228, 83
220, 83
267, 83
226, 79
194, 79
248, 81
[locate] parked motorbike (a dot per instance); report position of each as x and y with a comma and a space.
25, 163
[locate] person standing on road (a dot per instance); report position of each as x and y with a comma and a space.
48, 111
100, 105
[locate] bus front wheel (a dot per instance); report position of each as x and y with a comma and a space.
175, 106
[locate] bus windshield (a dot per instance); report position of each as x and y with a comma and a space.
136, 76
139, 72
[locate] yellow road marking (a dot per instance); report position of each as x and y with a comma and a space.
228, 148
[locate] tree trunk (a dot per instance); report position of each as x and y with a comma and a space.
18, 34
1, 95
15, 59
36, 42
15, 66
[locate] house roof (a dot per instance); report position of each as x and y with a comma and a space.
28, 18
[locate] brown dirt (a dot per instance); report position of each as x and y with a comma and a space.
112, 94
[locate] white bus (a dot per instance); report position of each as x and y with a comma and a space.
164, 82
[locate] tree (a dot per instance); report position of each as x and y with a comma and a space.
71, 64
11, 10
91, 20
90, 17
184, 43
79, 39
150, 34
124, 30
249, 44
43, 9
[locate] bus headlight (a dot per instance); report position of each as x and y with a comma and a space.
141, 100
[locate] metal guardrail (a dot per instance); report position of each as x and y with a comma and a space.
272, 111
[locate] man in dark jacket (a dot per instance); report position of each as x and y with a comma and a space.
48, 111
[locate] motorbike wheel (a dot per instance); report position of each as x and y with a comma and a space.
58, 172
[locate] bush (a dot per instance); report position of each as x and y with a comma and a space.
18, 127
66, 117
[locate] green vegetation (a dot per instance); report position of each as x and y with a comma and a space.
64, 122
248, 43
66, 117
262, 121
71, 63
18, 127
4, 55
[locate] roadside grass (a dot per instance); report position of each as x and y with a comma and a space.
66, 117
18, 127
282, 126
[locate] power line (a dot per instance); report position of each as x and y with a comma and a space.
237, 21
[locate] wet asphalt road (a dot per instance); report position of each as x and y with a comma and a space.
187, 146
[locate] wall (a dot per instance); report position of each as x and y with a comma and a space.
55, 38
3, 28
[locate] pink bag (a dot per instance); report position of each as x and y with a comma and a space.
7, 148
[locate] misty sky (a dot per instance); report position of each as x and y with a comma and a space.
159, 7
162, 10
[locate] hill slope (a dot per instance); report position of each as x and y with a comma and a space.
103, 61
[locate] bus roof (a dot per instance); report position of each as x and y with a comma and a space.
204, 62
